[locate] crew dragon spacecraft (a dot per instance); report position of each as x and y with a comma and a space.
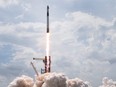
47, 59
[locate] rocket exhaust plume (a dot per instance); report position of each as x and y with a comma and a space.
47, 44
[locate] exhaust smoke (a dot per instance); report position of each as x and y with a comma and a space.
108, 82
23, 81
48, 80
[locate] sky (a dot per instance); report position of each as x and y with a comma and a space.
82, 38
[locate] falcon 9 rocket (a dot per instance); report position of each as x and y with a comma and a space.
47, 58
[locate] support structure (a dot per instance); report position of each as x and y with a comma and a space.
34, 69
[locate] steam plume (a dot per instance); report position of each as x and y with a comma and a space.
55, 80
23, 81
108, 82
49, 80
59, 80
77, 83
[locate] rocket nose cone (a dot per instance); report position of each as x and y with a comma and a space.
47, 7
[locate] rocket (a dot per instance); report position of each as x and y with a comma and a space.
47, 58
47, 19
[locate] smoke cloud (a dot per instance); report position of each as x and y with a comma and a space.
23, 81
48, 80
108, 82
59, 80
77, 83
55, 80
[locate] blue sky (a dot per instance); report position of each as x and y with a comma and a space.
82, 43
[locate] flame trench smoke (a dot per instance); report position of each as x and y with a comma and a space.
48, 80
56, 80
23, 81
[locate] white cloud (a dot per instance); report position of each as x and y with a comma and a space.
26, 6
72, 1
22, 33
4, 3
